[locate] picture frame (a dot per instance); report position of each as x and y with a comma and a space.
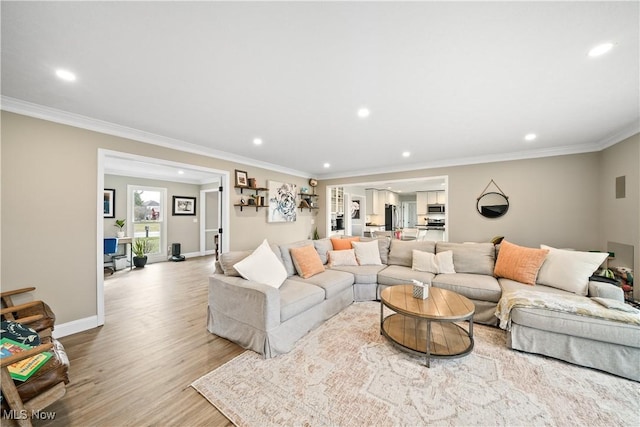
242, 178
282, 202
183, 205
109, 203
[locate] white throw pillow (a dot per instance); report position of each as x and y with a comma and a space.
445, 262
424, 261
367, 253
569, 270
262, 266
342, 257
440, 263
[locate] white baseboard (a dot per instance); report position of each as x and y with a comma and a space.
75, 326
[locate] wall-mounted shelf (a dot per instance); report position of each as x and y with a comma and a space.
250, 206
256, 189
311, 208
306, 197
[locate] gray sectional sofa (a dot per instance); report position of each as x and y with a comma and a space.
270, 320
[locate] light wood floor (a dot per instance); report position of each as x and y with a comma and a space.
136, 369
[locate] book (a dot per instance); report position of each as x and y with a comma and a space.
22, 369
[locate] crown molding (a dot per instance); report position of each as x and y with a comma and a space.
58, 116
463, 161
624, 133
30, 109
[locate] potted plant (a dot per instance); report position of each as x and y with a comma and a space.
120, 223
140, 249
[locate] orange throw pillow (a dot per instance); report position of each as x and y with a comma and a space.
519, 263
343, 244
307, 261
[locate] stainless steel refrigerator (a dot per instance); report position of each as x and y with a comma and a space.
390, 217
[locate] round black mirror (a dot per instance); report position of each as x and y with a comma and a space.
492, 205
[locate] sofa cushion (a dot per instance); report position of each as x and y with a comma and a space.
401, 251
513, 285
579, 326
296, 297
363, 274
322, 247
332, 282
286, 254
342, 257
367, 253
474, 286
402, 275
262, 266
569, 270
519, 263
341, 244
228, 259
475, 258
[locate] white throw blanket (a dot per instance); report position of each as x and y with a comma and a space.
574, 304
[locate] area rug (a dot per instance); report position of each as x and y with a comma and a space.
345, 373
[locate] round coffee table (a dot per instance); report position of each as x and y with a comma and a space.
427, 327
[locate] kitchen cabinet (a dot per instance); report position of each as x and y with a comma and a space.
436, 198
421, 202
372, 202
337, 200
391, 198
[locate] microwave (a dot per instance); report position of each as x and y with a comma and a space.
435, 208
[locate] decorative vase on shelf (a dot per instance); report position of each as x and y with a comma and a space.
120, 234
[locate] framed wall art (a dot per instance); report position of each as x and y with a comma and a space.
282, 202
184, 205
109, 203
242, 179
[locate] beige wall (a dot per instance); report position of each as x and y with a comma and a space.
551, 200
49, 209
619, 219
49, 205
180, 229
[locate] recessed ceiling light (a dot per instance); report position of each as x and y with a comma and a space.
65, 75
406, 154
363, 112
327, 165
530, 136
180, 172
257, 141
600, 49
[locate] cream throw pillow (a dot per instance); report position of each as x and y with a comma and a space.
367, 253
342, 257
445, 262
441, 263
424, 261
569, 270
262, 266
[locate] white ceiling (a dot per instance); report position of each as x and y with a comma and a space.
450, 82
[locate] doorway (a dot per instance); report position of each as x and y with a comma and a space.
211, 223
409, 215
151, 168
147, 209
